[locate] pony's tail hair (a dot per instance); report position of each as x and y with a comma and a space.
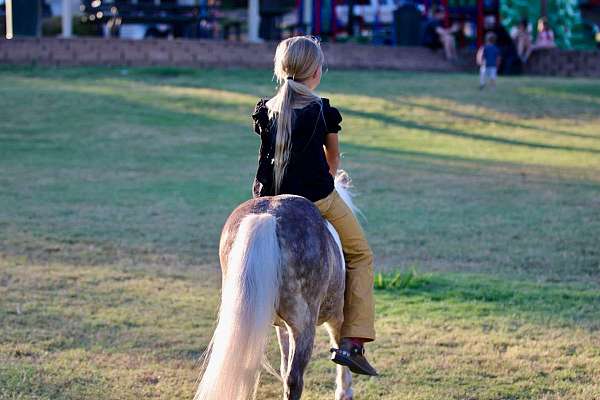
343, 185
249, 296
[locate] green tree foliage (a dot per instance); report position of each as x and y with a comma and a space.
563, 16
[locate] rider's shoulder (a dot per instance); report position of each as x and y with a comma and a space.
260, 115
261, 105
333, 118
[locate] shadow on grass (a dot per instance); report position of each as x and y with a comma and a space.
546, 98
388, 119
496, 121
467, 296
189, 114
463, 166
170, 75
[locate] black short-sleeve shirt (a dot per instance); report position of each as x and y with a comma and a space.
307, 173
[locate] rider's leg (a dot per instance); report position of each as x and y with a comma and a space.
359, 305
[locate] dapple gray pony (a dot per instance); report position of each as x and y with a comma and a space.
282, 265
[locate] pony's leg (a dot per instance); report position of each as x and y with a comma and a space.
343, 379
302, 333
284, 346
302, 344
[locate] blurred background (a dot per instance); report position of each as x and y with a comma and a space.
380, 22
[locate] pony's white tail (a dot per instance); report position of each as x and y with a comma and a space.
249, 296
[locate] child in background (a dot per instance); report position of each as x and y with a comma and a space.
488, 58
545, 36
522, 37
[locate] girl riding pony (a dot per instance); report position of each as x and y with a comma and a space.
299, 155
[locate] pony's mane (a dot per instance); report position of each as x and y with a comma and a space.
343, 185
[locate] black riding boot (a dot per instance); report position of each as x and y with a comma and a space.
352, 355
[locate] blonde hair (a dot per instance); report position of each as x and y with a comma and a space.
296, 60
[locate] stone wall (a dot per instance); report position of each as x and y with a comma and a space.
554, 62
204, 53
224, 54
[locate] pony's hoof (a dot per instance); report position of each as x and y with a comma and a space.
341, 395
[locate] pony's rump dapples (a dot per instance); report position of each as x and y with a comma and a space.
282, 265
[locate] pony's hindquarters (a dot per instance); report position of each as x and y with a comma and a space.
249, 295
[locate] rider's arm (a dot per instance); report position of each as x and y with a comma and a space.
332, 152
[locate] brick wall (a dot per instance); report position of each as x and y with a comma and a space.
554, 62
215, 53
204, 53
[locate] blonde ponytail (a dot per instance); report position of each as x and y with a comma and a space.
296, 59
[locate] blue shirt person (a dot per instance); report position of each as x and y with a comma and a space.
488, 58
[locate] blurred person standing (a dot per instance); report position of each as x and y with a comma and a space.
488, 59
545, 36
437, 35
522, 38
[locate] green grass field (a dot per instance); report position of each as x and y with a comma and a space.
115, 183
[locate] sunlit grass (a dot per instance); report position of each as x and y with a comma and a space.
74, 332
115, 185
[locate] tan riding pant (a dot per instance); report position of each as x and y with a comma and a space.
359, 305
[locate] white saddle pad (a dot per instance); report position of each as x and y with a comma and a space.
336, 237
